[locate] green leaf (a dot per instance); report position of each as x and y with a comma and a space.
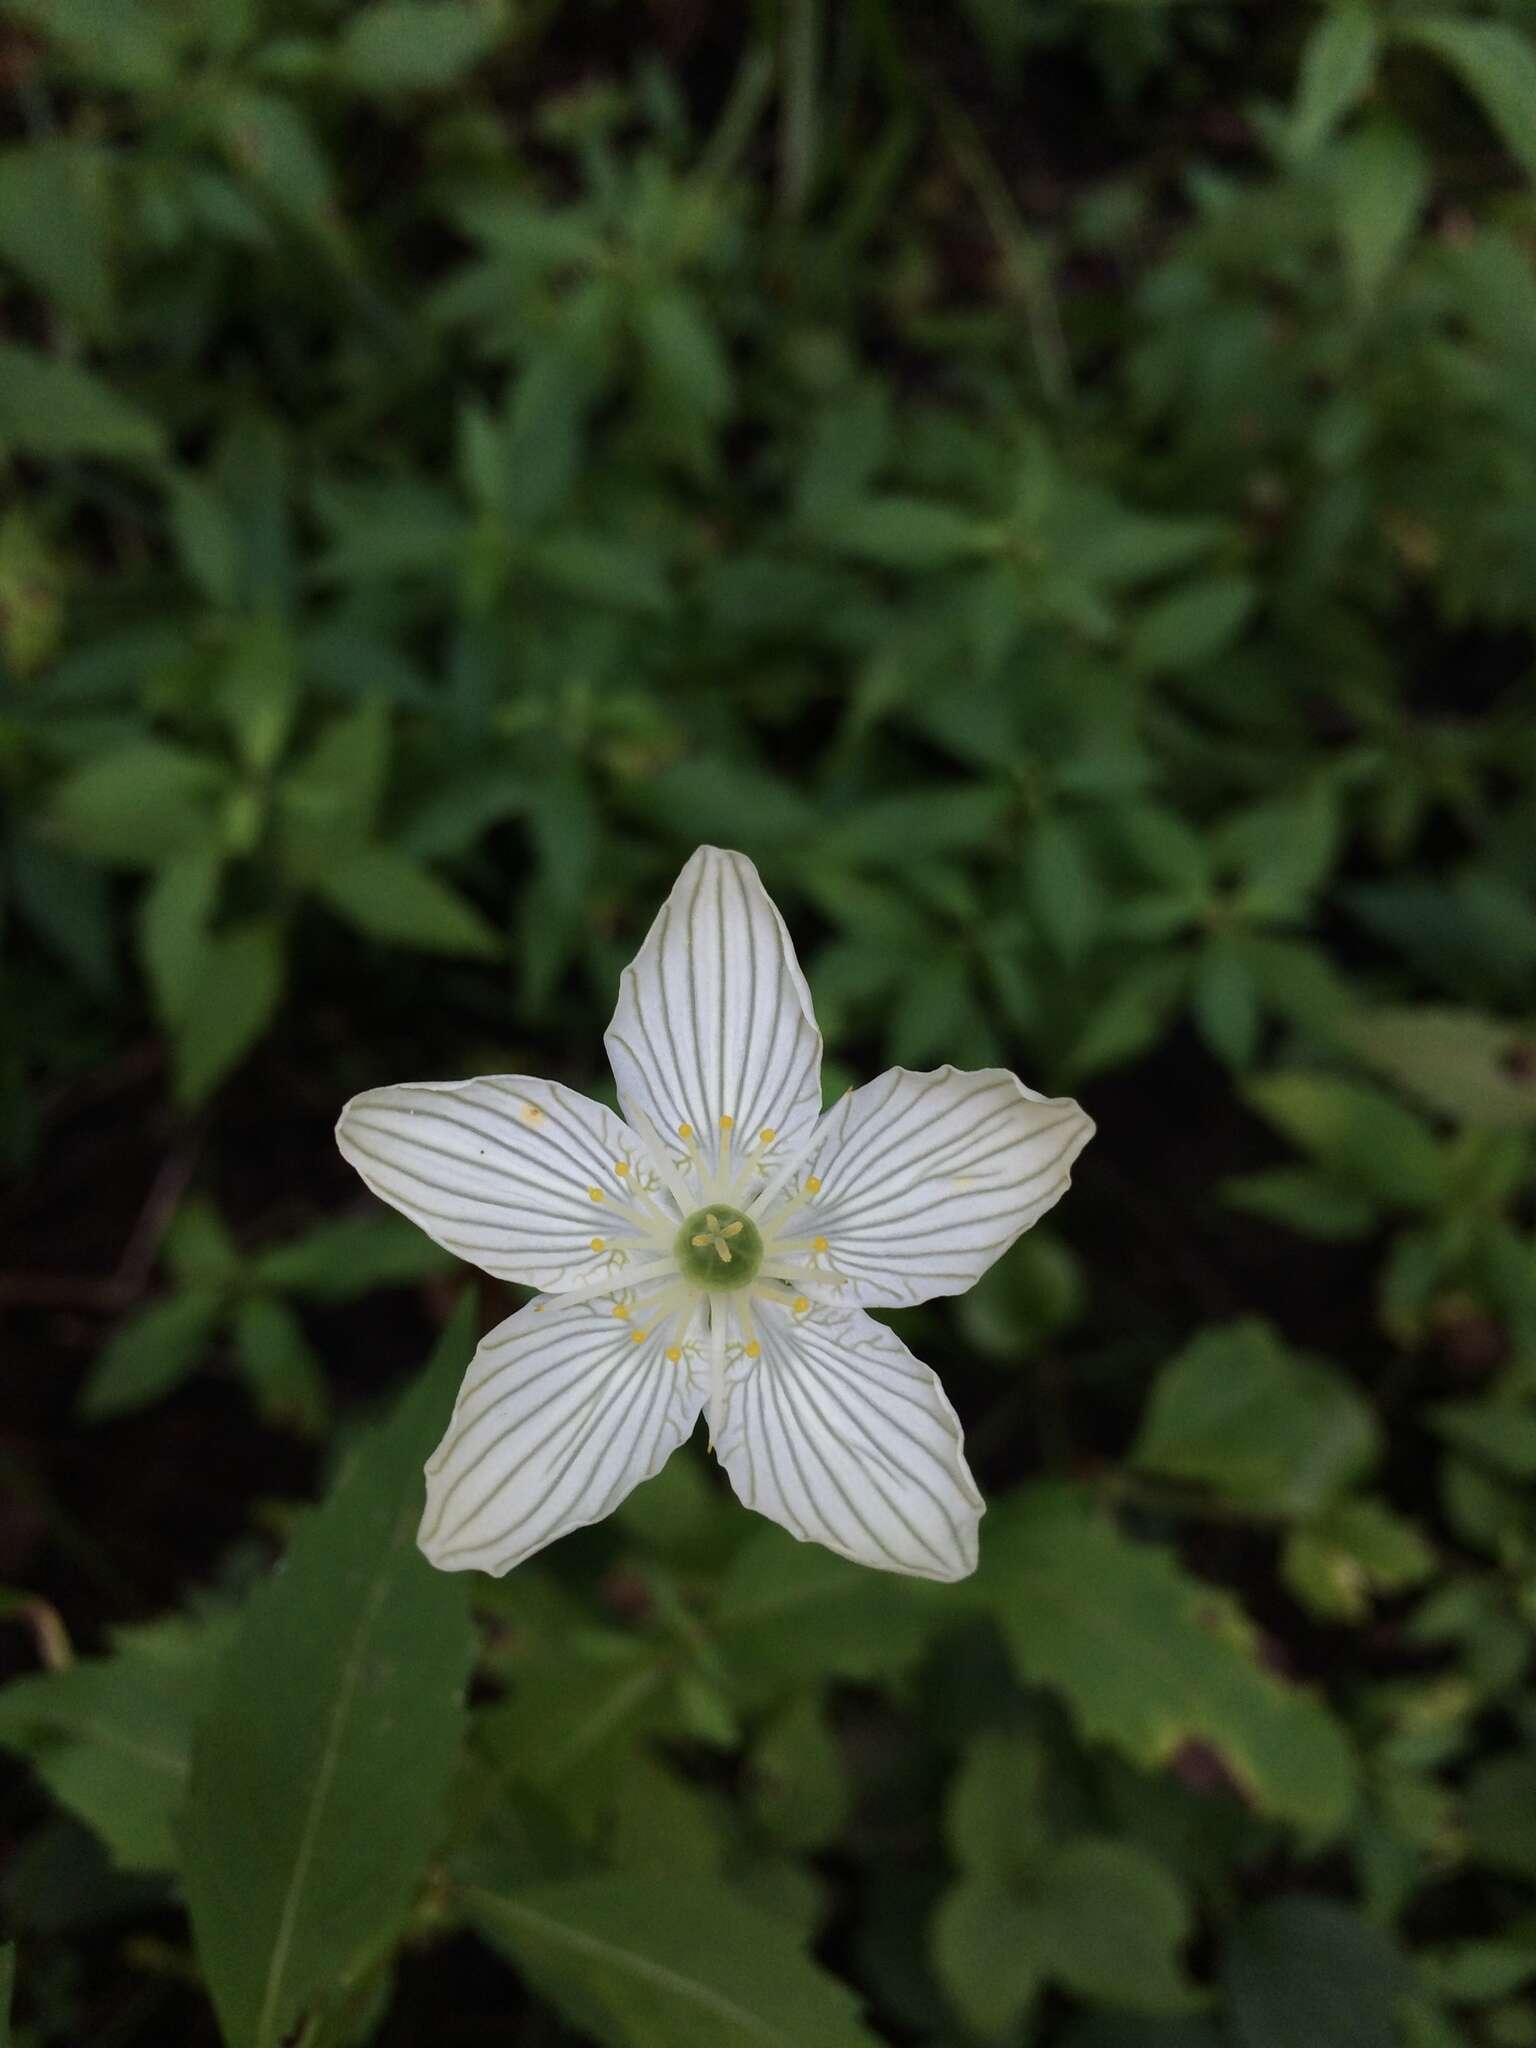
56, 224
257, 690
387, 896
152, 1353
995, 1818
1108, 1922
229, 1007
1304, 1200
608, 572
7, 1985
52, 408
320, 1772
1358, 1132
634, 1964
205, 537
683, 354
798, 1779
271, 143
1191, 625
351, 1256
1305, 1973
1381, 181
1497, 65
138, 805
330, 800
1460, 1062
1032, 1291
1337, 67
1265, 1428
908, 533
279, 1366
791, 1610
1148, 1658
174, 938
111, 1737
1498, 1433
1357, 1549
984, 1952
415, 45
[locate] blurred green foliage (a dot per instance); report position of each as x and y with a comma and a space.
1056, 484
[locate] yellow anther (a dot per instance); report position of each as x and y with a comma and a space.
812, 1185
637, 1336
711, 1220
700, 1241
732, 1229
765, 1136
685, 1130
595, 1194
598, 1244
674, 1354
818, 1244
800, 1304
621, 1309
724, 1250
754, 1349
727, 1123
621, 1167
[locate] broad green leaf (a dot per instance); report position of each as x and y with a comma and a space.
111, 1736
1108, 1922
798, 1778
229, 1006
1381, 181
51, 408
205, 537
1357, 1131
1304, 1200
791, 1610
415, 45
1355, 1550
1337, 65
1498, 1433
257, 690
995, 1817
1265, 1428
1121, 2031
174, 938
339, 1260
1306, 1973
1035, 1289
635, 1964
1148, 1658
320, 1772
56, 224
1496, 62
150, 1354
122, 43
68, 904
137, 805
1460, 1062
908, 533
1191, 625
272, 144
388, 896
605, 571
985, 1955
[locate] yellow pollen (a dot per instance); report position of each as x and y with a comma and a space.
685, 1130
674, 1355
621, 1309
637, 1336
727, 1123
800, 1304
812, 1185
596, 1194
765, 1137
754, 1349
818, 1244
597, 1244
621, 1167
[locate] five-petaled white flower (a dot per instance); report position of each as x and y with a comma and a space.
716, 1251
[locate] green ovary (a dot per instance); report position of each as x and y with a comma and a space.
719, 1248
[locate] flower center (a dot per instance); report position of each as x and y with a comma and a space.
719, 1248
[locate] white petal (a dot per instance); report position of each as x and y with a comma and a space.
845, 1438
560, 1416
927, 1178
714, 1018
517, 1175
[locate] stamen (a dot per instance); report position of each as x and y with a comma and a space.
661, 1159
571, 1297
637, 1336
674, 1354
596, 1195
598, 1245
723, 1249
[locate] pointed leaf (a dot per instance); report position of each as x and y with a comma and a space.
635, 1964
320, 1772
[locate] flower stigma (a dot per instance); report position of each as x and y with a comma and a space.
719, 1248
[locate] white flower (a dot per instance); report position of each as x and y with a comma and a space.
715, 1251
